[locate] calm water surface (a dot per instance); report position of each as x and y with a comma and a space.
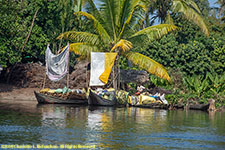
110, 128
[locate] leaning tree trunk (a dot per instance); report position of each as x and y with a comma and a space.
28, 36
60, 43
31, 27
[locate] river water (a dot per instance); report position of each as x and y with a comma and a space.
69, 126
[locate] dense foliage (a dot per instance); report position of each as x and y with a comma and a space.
190, 51
23, 42
196, 62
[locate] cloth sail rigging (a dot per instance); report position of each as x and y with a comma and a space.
57, 65
101, 66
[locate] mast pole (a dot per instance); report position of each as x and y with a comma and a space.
44, 80
87, 76
115, 73
118, 71
45, 71
68, 67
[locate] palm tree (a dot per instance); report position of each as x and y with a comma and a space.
115, 30
65, 8
162, 9
221, 8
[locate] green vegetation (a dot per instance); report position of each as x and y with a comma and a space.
115, 30
196, 63
193, 55
23, 42
196, 88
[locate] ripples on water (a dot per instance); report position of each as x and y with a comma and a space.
111, 128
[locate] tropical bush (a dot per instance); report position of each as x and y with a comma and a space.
16, 22
189, 50
196, 62
196, 88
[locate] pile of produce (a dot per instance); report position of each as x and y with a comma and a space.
65, 93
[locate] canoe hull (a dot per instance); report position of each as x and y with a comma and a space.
97, 100
153, 106
47, 99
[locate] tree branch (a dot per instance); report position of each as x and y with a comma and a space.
31, 27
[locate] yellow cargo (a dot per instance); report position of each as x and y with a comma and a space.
44, 90
143, 99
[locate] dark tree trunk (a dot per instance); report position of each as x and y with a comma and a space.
115, 75
31, 27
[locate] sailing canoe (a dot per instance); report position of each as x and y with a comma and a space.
97, 100
48, 99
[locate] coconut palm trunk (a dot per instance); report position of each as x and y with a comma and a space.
116, 74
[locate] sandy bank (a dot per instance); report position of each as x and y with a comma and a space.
9, 92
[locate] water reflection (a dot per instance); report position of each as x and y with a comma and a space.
114, 128
18, 126
121, 127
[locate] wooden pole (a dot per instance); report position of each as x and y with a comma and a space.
68, 72
68, 78
115, 75
87, 77
118, 77
44, 81
45, 72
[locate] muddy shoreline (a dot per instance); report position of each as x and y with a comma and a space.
10, 92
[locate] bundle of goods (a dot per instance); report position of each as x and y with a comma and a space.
65, 93
106, 93
123, 97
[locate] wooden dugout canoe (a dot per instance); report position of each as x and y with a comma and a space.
97, 100
49, 99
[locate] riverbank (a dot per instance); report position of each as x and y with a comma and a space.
17, 99
10, 92
23, 79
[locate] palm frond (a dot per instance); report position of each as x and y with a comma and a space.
124, 45
148, 64
193, 5
128, 9
91, 8
155, 32
109, 12
118, 13
83, 37
101, 31
83, 50
190, 13
169, 19
127, 14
